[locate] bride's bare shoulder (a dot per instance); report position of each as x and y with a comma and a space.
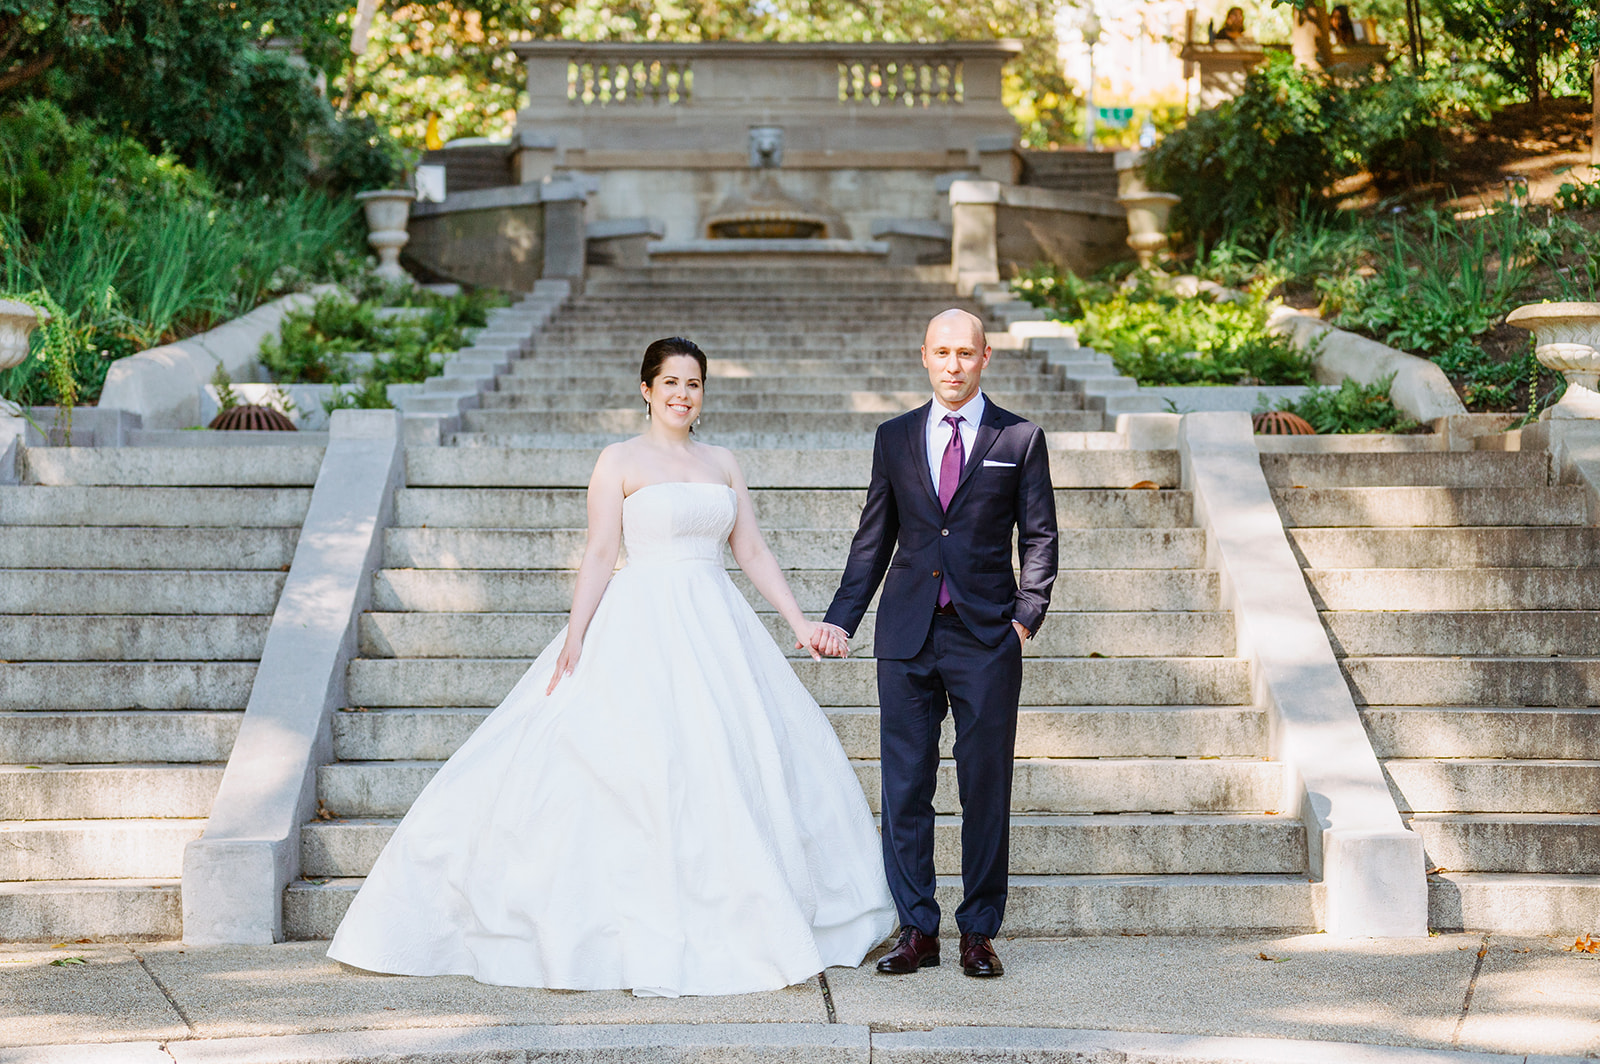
725, 462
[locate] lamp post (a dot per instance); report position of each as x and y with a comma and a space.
1091, 37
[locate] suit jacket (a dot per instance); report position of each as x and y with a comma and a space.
906, 536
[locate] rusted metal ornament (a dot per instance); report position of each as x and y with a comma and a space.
248, 418
1282, 423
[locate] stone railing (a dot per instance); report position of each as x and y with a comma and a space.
596, 106
604, 81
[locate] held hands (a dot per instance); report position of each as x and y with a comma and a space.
822, 639
570, 652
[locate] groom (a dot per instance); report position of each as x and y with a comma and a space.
950, 480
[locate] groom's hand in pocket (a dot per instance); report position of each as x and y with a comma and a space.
1022, 633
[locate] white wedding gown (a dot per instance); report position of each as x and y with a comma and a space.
677, 818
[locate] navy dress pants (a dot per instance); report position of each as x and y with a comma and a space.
981, 685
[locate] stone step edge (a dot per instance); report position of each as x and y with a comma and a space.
1287, 821
834, 1043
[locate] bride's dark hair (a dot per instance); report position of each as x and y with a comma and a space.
661, 350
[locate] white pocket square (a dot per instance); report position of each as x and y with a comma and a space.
1003, 465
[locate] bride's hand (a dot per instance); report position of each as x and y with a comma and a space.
570, 651
805, 638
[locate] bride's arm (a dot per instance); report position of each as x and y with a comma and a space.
750, 550
599, 559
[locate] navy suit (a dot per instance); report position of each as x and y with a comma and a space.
970, 663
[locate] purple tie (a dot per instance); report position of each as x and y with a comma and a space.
955, 456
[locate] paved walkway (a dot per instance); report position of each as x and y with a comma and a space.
164, 1002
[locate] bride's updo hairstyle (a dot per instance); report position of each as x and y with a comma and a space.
661, 350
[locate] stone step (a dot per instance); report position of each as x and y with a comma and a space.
449, 467
145, 467
825, 442
1444, 469
735, 336
71, 547
549, 590
1455, 590
1485, 681
64, 592
1483, 731
524, 635
620, 383
155, 507
94, 849
882, 402
1494, 785
126, 685
107, 792
1366, 633
101, 910
1047, 681
808, 546
1113, 844
123, 637
105, 737
633, 420
1036, 905
1548, 843
1512, 903
904, 369
433, 734
1039, 785
1438, 507
533, 508
1563, 546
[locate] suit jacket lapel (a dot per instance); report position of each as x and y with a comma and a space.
988, 432
918, 426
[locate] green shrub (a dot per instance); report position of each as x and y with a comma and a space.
1160, 339
1252, 166
1351, 407
138, 249
313, 345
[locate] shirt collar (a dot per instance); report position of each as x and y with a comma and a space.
971, 410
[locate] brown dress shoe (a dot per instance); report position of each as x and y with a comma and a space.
914, 950
978, 958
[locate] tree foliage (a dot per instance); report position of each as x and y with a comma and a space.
1534, 44
196, 78
451, 58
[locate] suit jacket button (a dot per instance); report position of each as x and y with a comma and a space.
944, 531
936, 572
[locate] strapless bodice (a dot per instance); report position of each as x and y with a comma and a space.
677, 521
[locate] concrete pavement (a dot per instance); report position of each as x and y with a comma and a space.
1308, 998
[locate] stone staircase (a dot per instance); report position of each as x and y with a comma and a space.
1144, 798
136, 589
1462, 593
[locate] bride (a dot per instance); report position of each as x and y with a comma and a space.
658, 805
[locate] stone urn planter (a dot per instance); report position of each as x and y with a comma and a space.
17, 322
1147, 224
1567, 339
388, 212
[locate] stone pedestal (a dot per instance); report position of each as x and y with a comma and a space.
1147, 224
565, 238
1567, 336
388, 212
17, 322
974, 258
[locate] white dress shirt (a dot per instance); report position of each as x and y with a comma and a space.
971, 415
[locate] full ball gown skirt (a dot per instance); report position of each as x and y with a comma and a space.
677, 818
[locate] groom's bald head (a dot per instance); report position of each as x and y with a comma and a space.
948, 322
